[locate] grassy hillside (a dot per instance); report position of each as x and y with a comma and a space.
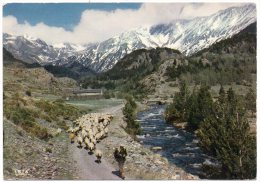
23, 83
33, 125
22, 77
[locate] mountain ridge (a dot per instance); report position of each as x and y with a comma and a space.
188, 36
154, 73
196, 32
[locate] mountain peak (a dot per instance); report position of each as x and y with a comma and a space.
187, 36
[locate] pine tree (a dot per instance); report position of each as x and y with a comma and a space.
181, 99
177, 111
133, 127
251, 101
231, 95
201, 107
193, 117
226, 135
222, 95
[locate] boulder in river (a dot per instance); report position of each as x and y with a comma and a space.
181, 125
157, 148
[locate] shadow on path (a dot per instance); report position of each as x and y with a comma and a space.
116, 173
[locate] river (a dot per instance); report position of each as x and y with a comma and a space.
178, 146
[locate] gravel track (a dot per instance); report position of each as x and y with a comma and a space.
87, 168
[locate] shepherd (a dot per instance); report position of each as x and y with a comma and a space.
120, 156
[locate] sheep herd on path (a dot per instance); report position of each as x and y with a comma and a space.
90, 129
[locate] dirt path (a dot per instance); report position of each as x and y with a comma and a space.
112, 110
88, 169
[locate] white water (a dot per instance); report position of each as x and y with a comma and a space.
178, 146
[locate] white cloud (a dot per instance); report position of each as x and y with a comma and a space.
40, 30
205, 9
97, 25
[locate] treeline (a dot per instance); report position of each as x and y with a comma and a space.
72, 70
229, 61
216, 69
130, 86
221, 127
129, 111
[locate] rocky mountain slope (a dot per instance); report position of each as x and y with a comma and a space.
22, 77
157, 71
188, 36
140, 62
228, 62
127, 74
33, 50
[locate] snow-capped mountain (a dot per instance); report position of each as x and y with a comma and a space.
33, 50
188, 36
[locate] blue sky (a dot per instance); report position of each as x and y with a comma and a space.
94, 22
66, 15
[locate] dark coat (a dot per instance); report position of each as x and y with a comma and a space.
120, 155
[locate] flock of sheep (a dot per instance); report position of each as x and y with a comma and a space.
89, 130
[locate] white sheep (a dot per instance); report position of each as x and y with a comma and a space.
96, 119
81, 124
105, 122
89, 129
87, 125
93, 140
84, 133
98, 136
90, 134
94, 130
98, 155
87, 142
100, 127
102, 133
70, 130
106, 130
72, 137
91, 147
76, 129
80, 141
